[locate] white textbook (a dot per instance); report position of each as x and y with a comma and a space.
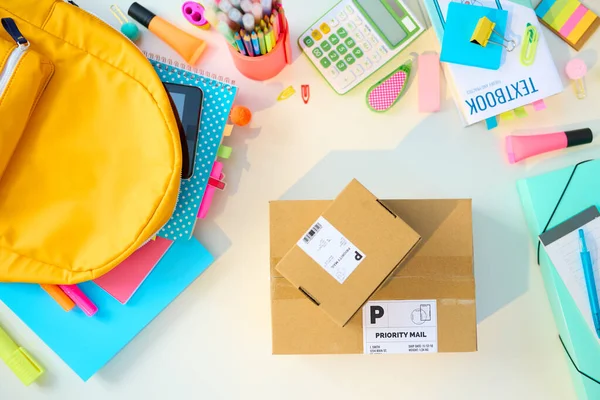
483, 93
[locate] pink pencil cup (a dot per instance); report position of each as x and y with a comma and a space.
267, 66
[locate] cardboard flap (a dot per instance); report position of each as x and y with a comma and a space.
366, 243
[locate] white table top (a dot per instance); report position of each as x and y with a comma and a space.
214, 341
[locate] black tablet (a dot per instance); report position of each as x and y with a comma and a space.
187, 101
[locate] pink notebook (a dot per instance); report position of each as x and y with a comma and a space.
123, 281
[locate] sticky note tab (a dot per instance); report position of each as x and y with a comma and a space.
224, 151
539, 105
228, 130
491, 123
520, 112
507, 116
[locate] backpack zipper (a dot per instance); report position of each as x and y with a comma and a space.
15, 56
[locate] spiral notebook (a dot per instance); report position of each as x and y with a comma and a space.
219, 94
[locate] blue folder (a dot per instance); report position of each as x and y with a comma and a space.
460, 24
539, 197
86, 344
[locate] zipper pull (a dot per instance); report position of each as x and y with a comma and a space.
11, 27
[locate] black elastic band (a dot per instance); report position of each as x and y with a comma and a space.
557, 204
575, 365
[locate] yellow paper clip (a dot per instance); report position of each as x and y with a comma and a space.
529, 46
286, 94
483, 33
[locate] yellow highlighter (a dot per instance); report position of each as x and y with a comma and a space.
19, 360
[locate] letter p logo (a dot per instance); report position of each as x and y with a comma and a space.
376, 312
358, 256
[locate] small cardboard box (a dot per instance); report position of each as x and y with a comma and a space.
435, 285
345, 254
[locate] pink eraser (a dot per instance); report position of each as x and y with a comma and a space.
429, 82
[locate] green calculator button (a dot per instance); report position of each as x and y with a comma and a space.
342, 32
334, 56
325, 45
342, 49
341, 66
308, 41
350, 42
325, 62
318, 52
349, 59
334, 39
358, 53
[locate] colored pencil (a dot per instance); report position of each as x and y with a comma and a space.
273, 37
261, 42
263, 25
248, 44
240, 44
269, 40
282, 20
255, 45
274, 24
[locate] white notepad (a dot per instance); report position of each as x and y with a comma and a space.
562, 246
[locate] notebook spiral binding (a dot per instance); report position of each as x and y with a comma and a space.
217, 81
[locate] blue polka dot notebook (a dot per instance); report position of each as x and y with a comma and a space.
219, 94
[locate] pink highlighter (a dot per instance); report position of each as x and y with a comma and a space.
82, 301
521, 147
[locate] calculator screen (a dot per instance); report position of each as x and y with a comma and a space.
385, 16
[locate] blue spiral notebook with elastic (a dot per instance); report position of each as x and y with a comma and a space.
219, 95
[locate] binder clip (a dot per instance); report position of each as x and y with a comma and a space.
483, 33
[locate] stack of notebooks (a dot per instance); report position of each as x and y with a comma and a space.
481, 94
135, 292
362, 275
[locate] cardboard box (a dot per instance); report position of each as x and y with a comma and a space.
342, 256
440, 271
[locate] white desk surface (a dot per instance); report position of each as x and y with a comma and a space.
214, 341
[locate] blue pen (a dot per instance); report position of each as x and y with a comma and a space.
590, 282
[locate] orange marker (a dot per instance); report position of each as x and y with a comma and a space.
188, 46
59, 296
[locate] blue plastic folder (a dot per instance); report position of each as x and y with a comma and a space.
87, 344
539, 196
461, 21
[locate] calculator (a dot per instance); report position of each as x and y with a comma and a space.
356, 38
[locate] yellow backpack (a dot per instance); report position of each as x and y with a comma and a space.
90, 152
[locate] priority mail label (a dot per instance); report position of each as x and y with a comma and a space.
331, 250
400, 327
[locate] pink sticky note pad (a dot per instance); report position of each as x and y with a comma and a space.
123, 281
429, 82
210, 190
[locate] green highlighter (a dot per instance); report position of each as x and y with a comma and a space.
19, 360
